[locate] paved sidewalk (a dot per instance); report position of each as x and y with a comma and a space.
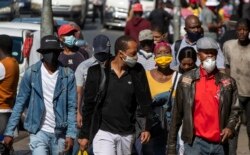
21, 143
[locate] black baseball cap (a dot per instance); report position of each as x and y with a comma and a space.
101, 44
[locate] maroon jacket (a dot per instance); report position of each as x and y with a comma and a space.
135, 25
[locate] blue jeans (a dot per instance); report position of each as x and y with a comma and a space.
202, 147
44, 143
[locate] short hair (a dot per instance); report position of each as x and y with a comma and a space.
243, 21
122, 43
6, 43
187, 52
158, 28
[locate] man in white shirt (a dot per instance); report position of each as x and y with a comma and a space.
48, 91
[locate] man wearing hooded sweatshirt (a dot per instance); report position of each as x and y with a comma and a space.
137, 23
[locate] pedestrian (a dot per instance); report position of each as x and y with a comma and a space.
145, 53
71, 56
101, 45
9, 73
187, 58
194, 32
161, 82
98, 5
194, 6
160, 17
237, 55
159, 34
210, 19
112, 95
202, 95
48, 91
137, 23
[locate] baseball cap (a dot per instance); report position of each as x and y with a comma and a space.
137, 7
206, 43
101, 44
193, 1
6, 43
212, 3
65, 29
49, 42
145, 35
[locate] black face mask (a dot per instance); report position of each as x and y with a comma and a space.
102, 56
51, 58
193, 37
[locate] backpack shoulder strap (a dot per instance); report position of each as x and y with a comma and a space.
177, 46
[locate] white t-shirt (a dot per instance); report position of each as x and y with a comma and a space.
48, 86
2, 71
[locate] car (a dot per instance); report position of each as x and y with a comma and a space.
24, 6
75, 10
148, 6
22, 26
8, 9
115, 13
90, 8
37, 20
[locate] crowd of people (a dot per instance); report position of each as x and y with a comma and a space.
151, 97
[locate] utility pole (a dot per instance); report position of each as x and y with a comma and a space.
177, 19
47, 19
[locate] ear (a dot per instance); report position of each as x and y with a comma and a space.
185, 29
165, 36
198, 55
120, 53
61, 38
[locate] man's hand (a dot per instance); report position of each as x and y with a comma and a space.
226, 134
145, 137
8, 141
83, 144
68, 144
79, 119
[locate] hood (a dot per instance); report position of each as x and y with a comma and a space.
136, 20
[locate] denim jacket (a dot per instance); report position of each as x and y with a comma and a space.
30, 96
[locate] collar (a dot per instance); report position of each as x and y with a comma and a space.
145, 54
203, 73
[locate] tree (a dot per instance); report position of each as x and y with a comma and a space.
177, 19
47, 19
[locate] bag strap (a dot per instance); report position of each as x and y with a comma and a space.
171, 91
177, 46
101, 85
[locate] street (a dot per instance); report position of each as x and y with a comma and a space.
90, 31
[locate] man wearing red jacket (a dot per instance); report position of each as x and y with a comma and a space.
136, 23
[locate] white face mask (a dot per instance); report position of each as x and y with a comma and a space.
146, 54
130, 61
209, 64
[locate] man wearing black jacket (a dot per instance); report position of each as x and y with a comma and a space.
109, 115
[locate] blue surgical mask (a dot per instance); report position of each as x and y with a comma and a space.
69, 41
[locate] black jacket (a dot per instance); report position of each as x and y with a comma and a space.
183, 107
91, 110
